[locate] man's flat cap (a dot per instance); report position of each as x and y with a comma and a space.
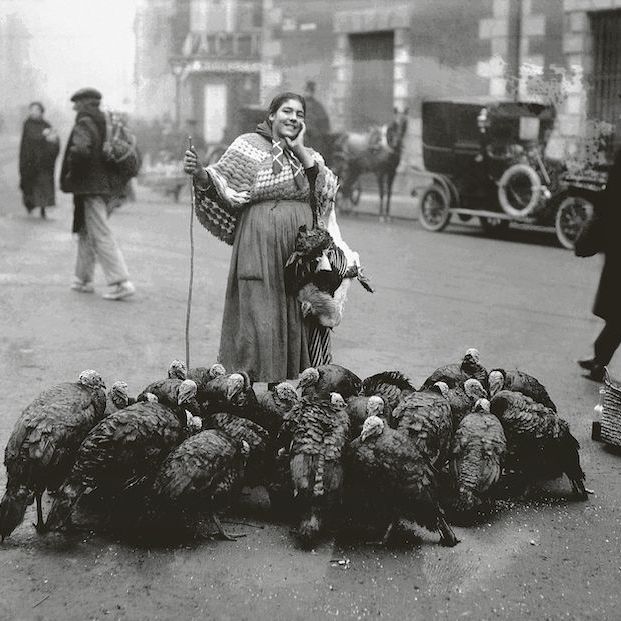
86, 93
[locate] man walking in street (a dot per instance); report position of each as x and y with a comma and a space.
85, 174
607, 232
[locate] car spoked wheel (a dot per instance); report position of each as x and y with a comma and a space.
573, 213
434, 209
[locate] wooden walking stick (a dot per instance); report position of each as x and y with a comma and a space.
191, 283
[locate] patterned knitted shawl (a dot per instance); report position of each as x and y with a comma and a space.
246, 166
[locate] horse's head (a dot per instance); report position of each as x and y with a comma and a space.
395, 131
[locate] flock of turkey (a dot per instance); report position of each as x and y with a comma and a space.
336, 450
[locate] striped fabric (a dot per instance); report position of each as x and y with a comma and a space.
319, 344
337, 259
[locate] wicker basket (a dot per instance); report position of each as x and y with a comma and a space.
611, 414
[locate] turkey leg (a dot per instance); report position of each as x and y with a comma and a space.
447, 536
221, 532
40, 525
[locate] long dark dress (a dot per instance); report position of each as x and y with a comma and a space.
37, 158
263, 330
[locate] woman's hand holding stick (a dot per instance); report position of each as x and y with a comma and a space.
193, 166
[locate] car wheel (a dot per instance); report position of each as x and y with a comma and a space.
572, 215
434, 209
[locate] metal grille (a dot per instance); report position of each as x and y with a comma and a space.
605, 103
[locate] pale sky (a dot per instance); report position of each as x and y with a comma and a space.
78, 43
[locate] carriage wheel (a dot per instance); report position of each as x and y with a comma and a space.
572, 215
434, 209
494, 226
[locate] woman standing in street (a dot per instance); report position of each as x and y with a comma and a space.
37, 157
256, 197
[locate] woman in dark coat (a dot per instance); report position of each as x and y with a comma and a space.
607, 300
37, 157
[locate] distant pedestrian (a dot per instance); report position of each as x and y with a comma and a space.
86, 175
37, 157
317, 120
607, 234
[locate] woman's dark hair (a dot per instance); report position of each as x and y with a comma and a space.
279, 100
38, 104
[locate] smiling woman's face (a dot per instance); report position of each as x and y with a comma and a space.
287, 120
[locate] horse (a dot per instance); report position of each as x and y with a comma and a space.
377, 151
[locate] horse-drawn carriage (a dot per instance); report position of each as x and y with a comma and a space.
486, 159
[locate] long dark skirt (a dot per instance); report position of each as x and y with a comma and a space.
263, 331
40, 191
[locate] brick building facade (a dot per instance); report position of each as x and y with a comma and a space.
367, 56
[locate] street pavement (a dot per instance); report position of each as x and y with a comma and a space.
522, 301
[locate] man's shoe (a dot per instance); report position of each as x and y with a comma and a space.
596, 374
587, 363
120, 292
82, 287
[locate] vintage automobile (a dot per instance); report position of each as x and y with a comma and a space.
486, 159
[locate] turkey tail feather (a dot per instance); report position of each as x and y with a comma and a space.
466, 502
572, 468
13, 508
